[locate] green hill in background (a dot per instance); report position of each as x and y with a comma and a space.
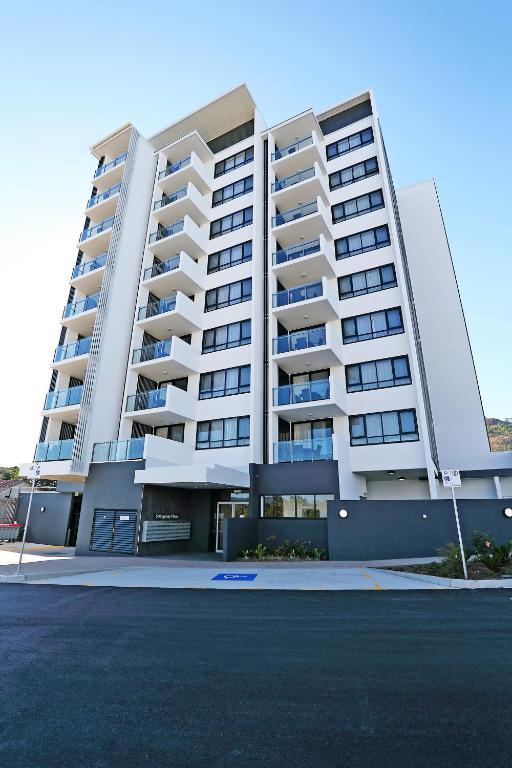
500, 434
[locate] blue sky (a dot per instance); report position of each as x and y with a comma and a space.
71, 73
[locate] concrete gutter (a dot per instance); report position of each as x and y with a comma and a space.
453, 583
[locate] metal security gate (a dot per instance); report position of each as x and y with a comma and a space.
114, 531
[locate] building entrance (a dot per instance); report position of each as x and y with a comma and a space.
227, 509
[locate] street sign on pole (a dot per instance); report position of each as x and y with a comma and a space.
451, 479
34, 472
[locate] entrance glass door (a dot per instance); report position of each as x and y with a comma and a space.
227, 509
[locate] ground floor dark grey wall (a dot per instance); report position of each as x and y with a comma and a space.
376, 530
197, 506
246, 533
298, 478
239, 534
108, 486
50, 526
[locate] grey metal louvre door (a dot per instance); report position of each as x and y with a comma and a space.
114, 531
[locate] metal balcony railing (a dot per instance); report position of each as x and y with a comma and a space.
119, 450
293, 295
174, 167
152, 351
160, 267
157, 308
75, 349
63, 397
295, 213
110, 192
300, 340
142, 401
295, 178
84, 305
56, 450
89, 266
307, 392
166, 231
166, 199
116, 161
291, 148
296, 251
97, 229
312, 449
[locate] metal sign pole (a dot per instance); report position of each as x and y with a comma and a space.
25, 529
459, 533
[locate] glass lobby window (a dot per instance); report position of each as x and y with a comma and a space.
305, 507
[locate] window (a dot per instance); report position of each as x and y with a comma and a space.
172, 432
223, 433
230, 257
311, 506
231, 381
353, 173
378, 374
227, 336
226, 295
386, 322
230, 223
361, 242
234, 161
369, 281
355, 141
387, 427
229, 192
357, 206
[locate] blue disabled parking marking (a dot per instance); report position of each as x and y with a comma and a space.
235, 577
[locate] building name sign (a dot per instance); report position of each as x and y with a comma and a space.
166, 516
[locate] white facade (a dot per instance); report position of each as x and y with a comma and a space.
346, 350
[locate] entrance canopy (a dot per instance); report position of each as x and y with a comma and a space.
193, 476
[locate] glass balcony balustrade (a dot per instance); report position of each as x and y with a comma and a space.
56, 450
142, 401
112, 164
291, 148
84, 305
293, 295
152, 351
89, 266
63, 397
75, 349
97, 229
166, 199
296, 251
95, 199
294, 213
312, 449
119, 450
299, 340
294, 178
307, 392
157, 308
160, 267
166, 231
174, 167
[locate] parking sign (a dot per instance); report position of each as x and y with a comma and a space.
451, 478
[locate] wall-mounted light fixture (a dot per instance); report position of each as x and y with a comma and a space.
43, 509
343, 513
508, 512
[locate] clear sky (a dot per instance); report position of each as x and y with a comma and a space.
72, 72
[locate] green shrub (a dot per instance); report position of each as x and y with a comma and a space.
486, 551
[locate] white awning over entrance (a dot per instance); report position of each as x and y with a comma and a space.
193, 476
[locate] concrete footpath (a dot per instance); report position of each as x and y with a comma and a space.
58, 565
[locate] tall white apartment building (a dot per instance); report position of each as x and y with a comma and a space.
257, 324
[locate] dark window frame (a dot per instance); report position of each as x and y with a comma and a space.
375, 203
247, 219
211, 393
374, 334
397, 381
401, 436
376, 233
228, 192
220, 165
238, 299
242, 340
246, 251
333, 184
382, 286
365, 137
263, 505
234, 442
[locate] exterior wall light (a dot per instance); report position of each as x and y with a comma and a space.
343, 513
43, 509
507, 512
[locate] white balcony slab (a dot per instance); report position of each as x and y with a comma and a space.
179, 406
73, 366
297, 191
82, 323
313, 311
110, 177
311, 358
194, 476
190, 238
103, 209
185, 318
192, 204
302, 157
95, 244
68, 413
89, 282
306, 269
306, 227
195, 171
187, 277
334, 405
183, 360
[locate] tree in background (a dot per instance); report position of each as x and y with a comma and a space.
9, 473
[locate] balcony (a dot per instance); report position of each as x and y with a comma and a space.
110, 173
56, 450
119, 450
301, 153
312, 449
80, 315
103, 205
168, 405
288, 191
304, 262
179, 273
72, 358
95, 239
88, 276
177, 314
313, 400
179, 174
167, 359
310, 348
305, 222
186, 201
183, 235
67, 400
310, 304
